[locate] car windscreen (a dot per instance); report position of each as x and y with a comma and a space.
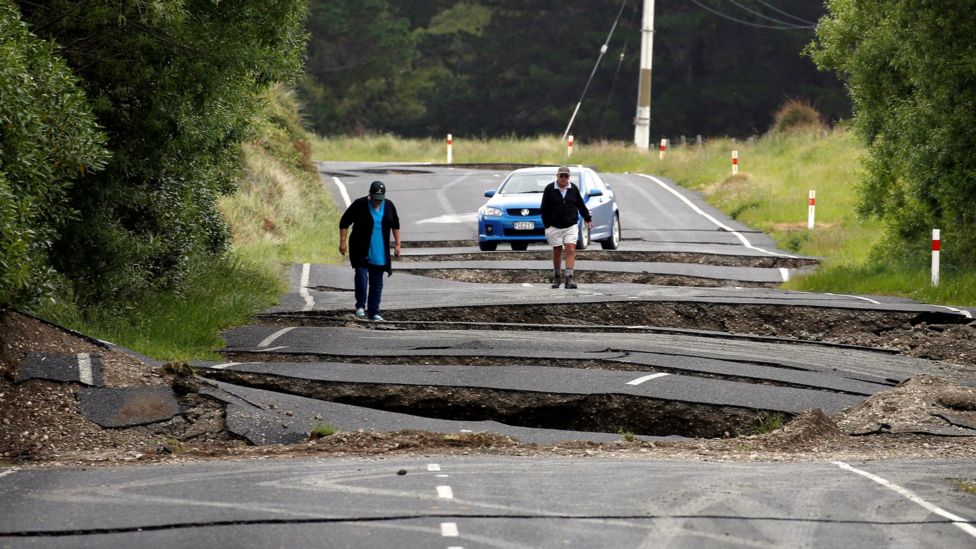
531, 182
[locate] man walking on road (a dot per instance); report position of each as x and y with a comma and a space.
372, 218
562, 204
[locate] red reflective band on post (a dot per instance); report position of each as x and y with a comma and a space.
936, 245
450, 141
813, 201
735, 160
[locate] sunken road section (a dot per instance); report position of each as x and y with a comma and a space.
769, 262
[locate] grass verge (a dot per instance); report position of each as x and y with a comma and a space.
279, 214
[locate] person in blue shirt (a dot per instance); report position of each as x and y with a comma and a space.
372, 218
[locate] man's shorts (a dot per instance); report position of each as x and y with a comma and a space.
560, 237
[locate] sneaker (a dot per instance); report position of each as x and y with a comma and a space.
570, 283
377, 318
360, 313
555, 281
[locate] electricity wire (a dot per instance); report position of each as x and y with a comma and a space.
790, 15
750, 23
760, 14
603, 50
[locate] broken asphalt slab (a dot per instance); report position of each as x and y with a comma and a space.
127, 406
84, 368
269, 417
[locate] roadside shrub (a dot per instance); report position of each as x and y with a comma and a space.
796, 116
48, 140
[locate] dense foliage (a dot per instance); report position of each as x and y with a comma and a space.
910, 67
48, 141
503, 67
174, 85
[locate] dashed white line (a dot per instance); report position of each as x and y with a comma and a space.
342, 191
85, 369
442, 476
270, 339
433, 467
303, 288
449, 530
856, 297
224, 365
785, 273
959, 522
640, 380
445, 492
719, 224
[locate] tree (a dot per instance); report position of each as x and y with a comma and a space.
48, 141
174, 84
910, 68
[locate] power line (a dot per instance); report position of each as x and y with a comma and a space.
603, 50
790, 15
760, 14
750, 23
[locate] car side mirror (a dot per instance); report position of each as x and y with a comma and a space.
595, 192
490, 193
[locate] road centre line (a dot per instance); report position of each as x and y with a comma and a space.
433, 467
855, 297
959, 522
640, 380
303, 287
342, 191
224, 365
719, 224
270, 339
785, 273
445, 492
85, 369
449, 530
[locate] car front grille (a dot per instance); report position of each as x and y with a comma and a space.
517, 212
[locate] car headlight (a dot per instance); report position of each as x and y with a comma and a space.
491, 212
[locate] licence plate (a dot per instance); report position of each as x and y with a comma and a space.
524, 225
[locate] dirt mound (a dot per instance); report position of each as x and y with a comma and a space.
812, 426
922, 404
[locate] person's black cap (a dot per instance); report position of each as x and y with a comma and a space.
377, 190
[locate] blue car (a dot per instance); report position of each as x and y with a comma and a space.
512, 214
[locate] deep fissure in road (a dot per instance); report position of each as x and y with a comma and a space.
544, 276
721, 260
605, 413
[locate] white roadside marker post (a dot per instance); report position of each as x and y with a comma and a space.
569, 147
811, 209
664, 148
735, 162
450, 145
936, 248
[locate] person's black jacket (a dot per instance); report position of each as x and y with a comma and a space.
361, 219
559, 212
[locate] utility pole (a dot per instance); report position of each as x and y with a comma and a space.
642, 122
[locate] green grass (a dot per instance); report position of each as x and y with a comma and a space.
321, 430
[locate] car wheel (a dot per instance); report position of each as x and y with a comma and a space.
487, 246
520, 246
614, 241
584, 237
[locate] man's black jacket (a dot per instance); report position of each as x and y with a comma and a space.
560, 212
359, 216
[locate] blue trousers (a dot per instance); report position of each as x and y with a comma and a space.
369, 277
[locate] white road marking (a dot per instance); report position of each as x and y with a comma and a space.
270, 339
640, 380
959, 522
445, 492
442, 476
449, 530
7, 472
719, 224
442, 195
526, 285
856, 297
785, 273
303, 288
85, 369
433, 467
452, 218
273, 348
342, 191
966, 314
224, 365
